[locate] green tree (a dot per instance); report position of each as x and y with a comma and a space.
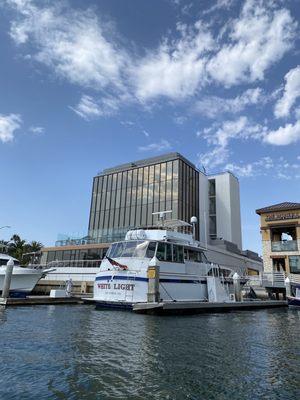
4, 246
17, 247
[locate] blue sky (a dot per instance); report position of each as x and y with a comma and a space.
86, 85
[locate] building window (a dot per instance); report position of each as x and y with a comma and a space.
294, 262
212, 187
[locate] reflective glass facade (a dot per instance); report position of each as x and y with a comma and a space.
125, 197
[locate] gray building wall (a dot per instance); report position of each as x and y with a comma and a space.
228, 214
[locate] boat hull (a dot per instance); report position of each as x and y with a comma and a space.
23, 280
293, 301
122, 289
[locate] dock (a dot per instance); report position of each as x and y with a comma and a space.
182, 307
39, 300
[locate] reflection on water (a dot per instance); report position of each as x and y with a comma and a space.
76, 352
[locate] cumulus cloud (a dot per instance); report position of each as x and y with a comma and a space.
177, 68
81, 48
257, 39
284, 135
159, 146
70, 42
290, 94
8, 125
212, 106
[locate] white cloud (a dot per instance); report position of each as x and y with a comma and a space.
177, 68
257, 39
240, 170
284, 135
70, 42
278, 168
78, 46
38, 130
220, 135
220, 4
8, 125
212, 106
89, 108
159, 146
290, 95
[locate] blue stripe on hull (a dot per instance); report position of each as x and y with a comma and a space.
140, 279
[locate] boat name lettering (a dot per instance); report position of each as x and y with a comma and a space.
116, 286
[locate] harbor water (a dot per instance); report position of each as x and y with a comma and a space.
77, 352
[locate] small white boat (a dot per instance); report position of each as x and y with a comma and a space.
23, 279
184, 272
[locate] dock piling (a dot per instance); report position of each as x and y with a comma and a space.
153, 281
7, 279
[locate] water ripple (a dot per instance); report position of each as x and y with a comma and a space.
76, 352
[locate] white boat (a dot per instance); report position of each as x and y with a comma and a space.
23, 279
184, 272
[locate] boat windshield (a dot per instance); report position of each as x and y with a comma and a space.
135, 248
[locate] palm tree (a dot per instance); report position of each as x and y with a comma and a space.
18, 247
4, 246
35, 246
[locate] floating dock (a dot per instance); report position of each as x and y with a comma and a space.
182, 307
39, 300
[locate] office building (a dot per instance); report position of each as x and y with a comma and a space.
126, 197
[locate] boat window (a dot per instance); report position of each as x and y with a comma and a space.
177, 253
160, 253
136, 248
186, 254
151, 250
140, 249
194, 255
129, 249
169, 252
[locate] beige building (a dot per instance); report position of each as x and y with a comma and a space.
280, 230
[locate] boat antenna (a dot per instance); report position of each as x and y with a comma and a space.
162, 215
194, 221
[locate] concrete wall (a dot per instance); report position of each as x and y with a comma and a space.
203, 222
228, 208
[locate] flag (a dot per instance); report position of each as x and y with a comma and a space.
116, 264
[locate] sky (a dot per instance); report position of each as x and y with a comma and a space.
87, 84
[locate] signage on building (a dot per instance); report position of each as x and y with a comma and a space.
281, 217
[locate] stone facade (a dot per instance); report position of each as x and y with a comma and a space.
275, 221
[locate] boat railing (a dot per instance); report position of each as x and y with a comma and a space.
70, 264
274, 279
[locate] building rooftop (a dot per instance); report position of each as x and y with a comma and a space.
146, 162
286, 206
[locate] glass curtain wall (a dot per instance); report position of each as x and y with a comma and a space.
127, 199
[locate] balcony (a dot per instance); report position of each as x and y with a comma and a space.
285, 245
